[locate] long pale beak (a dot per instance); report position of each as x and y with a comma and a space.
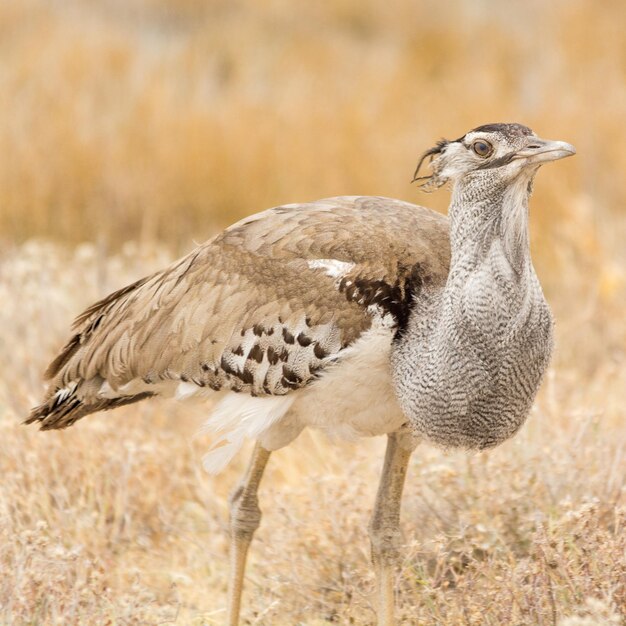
544, 150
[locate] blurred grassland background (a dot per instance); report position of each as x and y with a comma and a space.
131, 130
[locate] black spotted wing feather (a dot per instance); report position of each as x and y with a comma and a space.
247, 311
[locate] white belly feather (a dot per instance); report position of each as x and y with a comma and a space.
353, 398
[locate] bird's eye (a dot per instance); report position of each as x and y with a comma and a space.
482, 148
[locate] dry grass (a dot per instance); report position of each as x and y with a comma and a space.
114, 114
164, 120
113, 521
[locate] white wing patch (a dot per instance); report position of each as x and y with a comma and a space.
238, 417
334, 268
380, 318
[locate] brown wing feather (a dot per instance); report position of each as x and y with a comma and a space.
246, 311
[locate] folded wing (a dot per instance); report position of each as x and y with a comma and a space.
261, 309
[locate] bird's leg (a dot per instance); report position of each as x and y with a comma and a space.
245, 517
384, 528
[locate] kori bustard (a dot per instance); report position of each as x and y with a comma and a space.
355, 315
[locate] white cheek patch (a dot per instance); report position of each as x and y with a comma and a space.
457, 161
333, 267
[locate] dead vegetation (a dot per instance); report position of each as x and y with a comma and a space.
114, 522
169, 119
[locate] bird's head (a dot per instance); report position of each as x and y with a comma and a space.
497, 153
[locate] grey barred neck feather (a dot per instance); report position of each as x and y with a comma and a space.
355, 315
501, 212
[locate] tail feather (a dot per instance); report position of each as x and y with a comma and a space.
64, 356
86, 324
69, 397
65, 406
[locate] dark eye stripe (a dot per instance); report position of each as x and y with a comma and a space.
503, 160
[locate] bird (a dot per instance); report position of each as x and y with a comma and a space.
356, 315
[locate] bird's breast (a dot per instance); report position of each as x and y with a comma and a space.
355, 396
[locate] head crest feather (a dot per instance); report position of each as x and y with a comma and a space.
432, 181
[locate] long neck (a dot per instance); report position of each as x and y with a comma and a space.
468, 365
480, 219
